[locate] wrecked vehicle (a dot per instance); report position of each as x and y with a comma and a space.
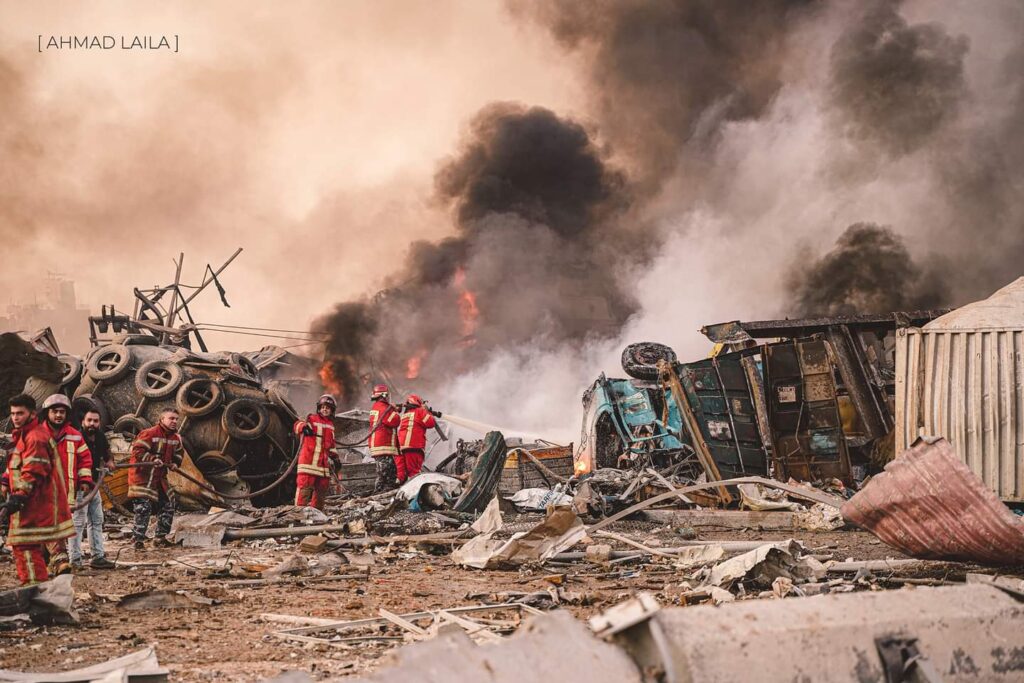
701, 416
809, 399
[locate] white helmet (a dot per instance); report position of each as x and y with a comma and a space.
57, 401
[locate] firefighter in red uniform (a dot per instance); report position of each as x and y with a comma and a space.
315, 453
38, 501
412, 436
76, 465
148, 490
383, 440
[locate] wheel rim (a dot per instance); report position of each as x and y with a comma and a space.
132, 427
247, 418
159, 379
200, 396
109, 361
69, 370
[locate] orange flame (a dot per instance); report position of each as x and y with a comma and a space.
581, 467
414, 363
328, 379
468, 310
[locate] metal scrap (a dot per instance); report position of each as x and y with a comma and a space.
930, 505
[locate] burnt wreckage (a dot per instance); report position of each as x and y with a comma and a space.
236, 426
809, 399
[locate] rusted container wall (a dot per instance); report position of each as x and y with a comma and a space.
967, 386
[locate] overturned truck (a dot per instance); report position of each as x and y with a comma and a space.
809, 399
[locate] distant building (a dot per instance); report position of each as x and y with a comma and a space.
56, 307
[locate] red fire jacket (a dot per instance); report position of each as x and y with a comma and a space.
383, 438
412, 432
35, 469
75, 457
316, 447
151, 445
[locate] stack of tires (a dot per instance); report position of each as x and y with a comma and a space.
236, 431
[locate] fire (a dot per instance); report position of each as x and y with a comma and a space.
414, 363
328, 378
468, 310
581, 467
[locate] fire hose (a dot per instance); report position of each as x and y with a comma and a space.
203, 485
171, 467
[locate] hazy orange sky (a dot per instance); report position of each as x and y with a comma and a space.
306, 132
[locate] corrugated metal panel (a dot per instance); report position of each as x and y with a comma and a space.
929, 505
969, 388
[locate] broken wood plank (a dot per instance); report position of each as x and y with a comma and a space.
669, 485
360, 623
631, 542
541, 467
404, 623
294, 620
775, 520
471, 627
872, 565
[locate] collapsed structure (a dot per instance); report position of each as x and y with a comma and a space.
692, 477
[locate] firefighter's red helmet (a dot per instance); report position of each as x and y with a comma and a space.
414, 400
379, 390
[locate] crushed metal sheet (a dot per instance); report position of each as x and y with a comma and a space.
764, 564
930, 505
559, 531
758, 497
137, 666
47, 603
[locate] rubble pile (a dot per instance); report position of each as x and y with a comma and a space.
714, 512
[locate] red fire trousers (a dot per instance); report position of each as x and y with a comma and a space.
30, 563
311, 491
408, 463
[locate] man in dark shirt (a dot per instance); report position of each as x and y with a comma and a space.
91, 515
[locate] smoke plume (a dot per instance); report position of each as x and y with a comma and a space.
868, 271
533, 202
669, 74
894, 83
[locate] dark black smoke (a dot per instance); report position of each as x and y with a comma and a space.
895, 83
532, 199
665, 74
868, 271
533, 164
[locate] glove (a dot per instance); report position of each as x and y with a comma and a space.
306, 430
435, 413
85, 487
15, 502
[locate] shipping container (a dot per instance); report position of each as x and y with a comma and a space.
962, 377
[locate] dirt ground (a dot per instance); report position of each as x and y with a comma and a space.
228, 641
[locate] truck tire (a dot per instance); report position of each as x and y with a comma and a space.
110, 363
158, 378
84, 403
640, 360
245, 419
72, 368
130, 425
199, 396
